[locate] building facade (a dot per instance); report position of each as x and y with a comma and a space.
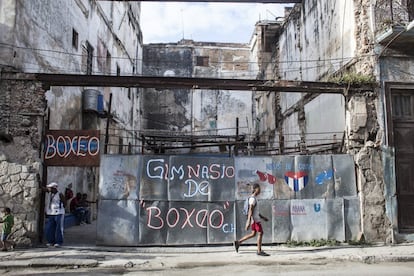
357, 43
210, 115
351, 42
63, 37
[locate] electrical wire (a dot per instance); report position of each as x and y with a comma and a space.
149, 60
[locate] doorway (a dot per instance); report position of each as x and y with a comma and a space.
402, 112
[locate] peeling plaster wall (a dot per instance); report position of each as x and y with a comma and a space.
327, 24
43, 36
316, 113
22, 106
197, 111
319, 39
397, 68
38, 36
168, 109
364, 137
216, 111
7, 29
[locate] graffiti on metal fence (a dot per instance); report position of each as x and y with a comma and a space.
191, 199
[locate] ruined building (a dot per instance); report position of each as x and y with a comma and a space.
62, 37
364, 125
350, 42
199, 117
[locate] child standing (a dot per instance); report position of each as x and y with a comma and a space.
8, 222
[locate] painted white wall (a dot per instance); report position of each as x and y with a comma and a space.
36, 37
316, 42
42, 42
319, 41
322, 115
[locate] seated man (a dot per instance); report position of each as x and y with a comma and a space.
77, 209
68, 197
84, 203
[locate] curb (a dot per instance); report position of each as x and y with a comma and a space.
181, 258
50, 262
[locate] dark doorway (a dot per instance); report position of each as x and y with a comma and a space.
402, 110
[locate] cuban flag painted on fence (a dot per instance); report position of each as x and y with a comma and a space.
296, 180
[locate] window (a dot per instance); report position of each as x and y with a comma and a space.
75, 39
402, 106
202, 61
120, 145
118, 70
89, 58
410, 9
108, 63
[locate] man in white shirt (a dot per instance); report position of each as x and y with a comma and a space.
55, 214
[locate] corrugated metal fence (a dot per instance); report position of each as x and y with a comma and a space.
181, 200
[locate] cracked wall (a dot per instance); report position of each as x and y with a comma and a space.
197, 111
22, 106
321, 39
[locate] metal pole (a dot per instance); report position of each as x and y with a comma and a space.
237, 137
107, 124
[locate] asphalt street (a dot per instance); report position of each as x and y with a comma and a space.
80, 252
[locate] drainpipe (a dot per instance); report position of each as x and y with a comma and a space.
236, 146
107, 124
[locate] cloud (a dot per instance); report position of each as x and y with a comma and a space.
208, 22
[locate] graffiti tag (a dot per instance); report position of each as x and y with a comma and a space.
157, 168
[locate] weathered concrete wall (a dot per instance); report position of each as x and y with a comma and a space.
322, 39
317, 40
197, 111
52, 37
328, 24
217, 112
22, 110
167, 109
364, 139
22, 106
397, 68
317, 113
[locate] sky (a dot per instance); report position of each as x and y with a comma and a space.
169, 22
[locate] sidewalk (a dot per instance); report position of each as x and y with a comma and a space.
83, 253
165, 258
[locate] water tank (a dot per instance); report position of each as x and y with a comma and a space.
100, 103
90, 100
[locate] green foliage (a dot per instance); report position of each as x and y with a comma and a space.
353, 79
313, 243
323, 242
359, 242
